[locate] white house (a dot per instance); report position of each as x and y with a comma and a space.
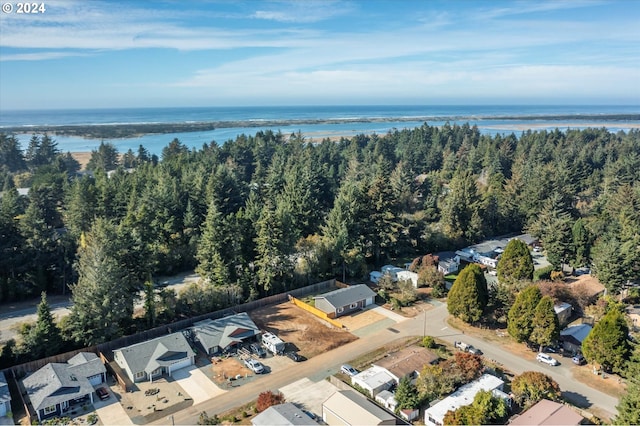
408, 276
434, 415
449, 266
374, 380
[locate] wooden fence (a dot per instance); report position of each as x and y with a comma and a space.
108, 347
315, 311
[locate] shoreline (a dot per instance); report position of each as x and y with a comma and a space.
133, 130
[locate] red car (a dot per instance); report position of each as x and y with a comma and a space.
102, 393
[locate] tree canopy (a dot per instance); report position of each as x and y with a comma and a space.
515, 263
607, 344
468, 296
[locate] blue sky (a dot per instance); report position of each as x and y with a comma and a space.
94, 54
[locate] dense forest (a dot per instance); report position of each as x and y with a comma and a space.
265, 213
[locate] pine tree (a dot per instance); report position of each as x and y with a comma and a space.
102, 301
521, 314
44, 337
581, 243
516, 263
546, 327
607, 342
212, 243
468, 296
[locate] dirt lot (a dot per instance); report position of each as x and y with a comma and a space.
309, 334
224, 368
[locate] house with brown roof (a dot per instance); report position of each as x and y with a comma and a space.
548, 412
407, 362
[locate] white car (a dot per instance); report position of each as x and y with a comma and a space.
253, 365
348, 370
542, 357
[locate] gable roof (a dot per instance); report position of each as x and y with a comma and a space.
355, 409
577, 333
282, 415
56, 383
159, 352
407, 360
346, 296
373, 377
548, 412
225, 331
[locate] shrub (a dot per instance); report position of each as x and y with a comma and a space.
267, 399
428, 342
543, 273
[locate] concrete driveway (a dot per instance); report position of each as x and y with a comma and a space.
309, 394
110, 411
195, 382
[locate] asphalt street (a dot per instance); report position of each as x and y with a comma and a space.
433, 323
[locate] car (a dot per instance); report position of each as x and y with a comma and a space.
474, 350
102, 393
578, 360
348, 370
258, 350
295, 356
547, 359
254, 365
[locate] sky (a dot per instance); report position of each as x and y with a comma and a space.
110, 54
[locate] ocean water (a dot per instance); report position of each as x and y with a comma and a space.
489, 119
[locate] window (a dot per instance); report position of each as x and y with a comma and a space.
49, 410
353, 305
139, 375
340, 310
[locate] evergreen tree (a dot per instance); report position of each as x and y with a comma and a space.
212, 244
609, 264
104, 158
407, 395
11, 157
581, 243
546, 327
607, 342
461, 204
516, 263
554, 226
468, 296
44, 337
102, 302
629, 404
520, 317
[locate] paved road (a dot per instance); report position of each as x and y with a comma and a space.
13, 314
434, 322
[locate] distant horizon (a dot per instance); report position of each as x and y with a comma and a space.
581, 105
106, 54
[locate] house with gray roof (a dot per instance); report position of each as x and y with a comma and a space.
56, 386
219, 335
345, 300
155, 357
5, 396
285, 414
572, 337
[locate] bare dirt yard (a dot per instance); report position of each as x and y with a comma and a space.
309, 334
226, 368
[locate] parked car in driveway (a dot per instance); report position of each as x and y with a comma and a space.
546, 359
254, 365
102, 393
348, 370
578, 360
258, 350
295, 356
